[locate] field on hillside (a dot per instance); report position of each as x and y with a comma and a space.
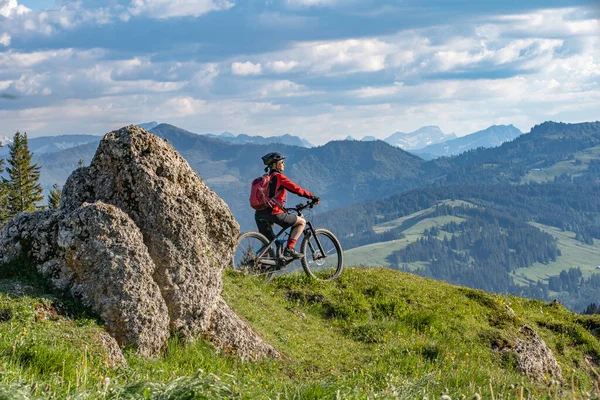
410, 220
572, 167
374, 333
413, 227
573, 254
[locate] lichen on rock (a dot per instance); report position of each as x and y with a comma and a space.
534, 358
143, 242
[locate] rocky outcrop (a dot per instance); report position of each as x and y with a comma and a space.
534, 357
109, 268
143, 242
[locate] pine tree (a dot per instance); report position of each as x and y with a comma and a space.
3, 195
24, 189
54, 197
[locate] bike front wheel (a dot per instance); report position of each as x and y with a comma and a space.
322, 255
249, 256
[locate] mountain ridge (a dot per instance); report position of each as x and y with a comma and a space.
492, 136
345, 172
422, 137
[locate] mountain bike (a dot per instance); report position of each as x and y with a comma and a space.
256, 255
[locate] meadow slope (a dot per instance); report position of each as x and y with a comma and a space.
374, 333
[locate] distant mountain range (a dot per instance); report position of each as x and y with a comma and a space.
229, 137
4, 140
287, 139
420, 138
148, 125
430, 142
52, 144
491, 137
347, 172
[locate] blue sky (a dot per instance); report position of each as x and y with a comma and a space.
319, 69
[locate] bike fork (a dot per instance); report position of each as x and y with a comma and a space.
310, 246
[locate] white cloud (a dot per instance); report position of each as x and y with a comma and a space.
381, 91
447, 60
281, 66
247, 68
205, 75
561, 21
366, 55
187, 106
554, 53
283, 88
10, 8
332, 57
30, 85
162, 9
47, 22
16, 60
311, 3
5, 39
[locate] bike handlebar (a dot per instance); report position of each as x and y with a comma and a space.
302, 206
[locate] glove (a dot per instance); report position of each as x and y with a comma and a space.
315, 199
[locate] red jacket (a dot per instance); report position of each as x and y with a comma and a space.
279, 184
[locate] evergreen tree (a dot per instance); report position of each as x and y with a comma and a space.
24, 189
3, 196
54, 197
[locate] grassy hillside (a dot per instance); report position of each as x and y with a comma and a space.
412, 226
578, 163
374, 333
573, 254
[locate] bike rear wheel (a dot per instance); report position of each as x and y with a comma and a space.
324, 262
246, 257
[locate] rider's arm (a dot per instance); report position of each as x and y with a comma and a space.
287, 183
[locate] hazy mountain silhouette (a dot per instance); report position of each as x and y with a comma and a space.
347, 172
493, 136
418, 139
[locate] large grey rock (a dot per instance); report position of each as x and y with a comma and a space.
110, 269
139, 228
187, 228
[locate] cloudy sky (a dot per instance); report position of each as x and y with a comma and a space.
319, 69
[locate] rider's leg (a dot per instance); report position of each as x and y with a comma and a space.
265, 227
297, 230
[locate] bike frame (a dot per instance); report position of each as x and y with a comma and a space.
307, 229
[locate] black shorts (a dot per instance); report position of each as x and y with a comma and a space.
265, 220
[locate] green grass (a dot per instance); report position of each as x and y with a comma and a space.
564, 167
573, 254
374, 333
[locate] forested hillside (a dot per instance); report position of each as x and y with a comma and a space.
502, 182
340, 172
546, 145
348, 172
494, 244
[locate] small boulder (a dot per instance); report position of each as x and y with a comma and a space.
534, 358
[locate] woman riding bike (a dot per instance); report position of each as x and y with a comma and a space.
278, 185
